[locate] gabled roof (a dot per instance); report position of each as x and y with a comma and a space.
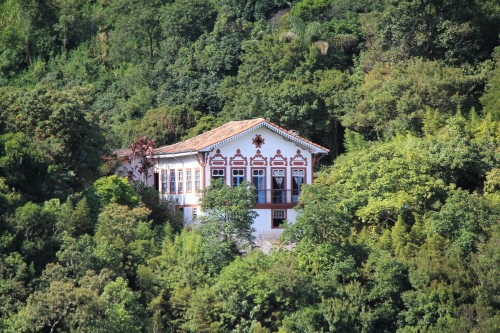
231, 131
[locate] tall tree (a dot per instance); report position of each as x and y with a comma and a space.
228, 214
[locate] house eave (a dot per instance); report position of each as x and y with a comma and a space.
305, 145
176, 154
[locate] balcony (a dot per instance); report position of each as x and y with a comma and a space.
277, 197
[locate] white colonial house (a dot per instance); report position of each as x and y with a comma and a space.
276, 161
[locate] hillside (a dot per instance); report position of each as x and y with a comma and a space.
400, 231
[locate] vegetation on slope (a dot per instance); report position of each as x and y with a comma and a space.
400, 234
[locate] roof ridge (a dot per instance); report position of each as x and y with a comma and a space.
224, 132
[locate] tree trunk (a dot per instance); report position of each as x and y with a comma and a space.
52, 328
28, 53
150, 33
65, 43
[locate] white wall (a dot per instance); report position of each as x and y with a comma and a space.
184, 163
272, 143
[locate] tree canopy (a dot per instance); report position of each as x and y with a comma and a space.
398, 233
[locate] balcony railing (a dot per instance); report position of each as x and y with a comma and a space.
277, 196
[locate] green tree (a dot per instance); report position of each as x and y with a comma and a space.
261, 289
122, 309
14, 275
227, 214
353, 141
485, 264
114, 190
95, 302
441, 30
184, 272
27, 33
187, 20
133, 27
165, 125
74, 22
75, 219
61, 126
393, 98
313, 10
348, 312
254, 10
491, 99
316, 10
322, 219
9, 199
24, 168
124, 239
14, 26
194, 78
33, 226
464, 219
77, 255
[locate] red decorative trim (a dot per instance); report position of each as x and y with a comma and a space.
203, 161
195, 190
238, 159
218, 168
218, 159
274, 206
291, 179
172, 172
203, 176
203, 164
286, 185
278, 159
315, 160
266, 186
258, 141
298, 159
236, 168
180, 182
272, 216
187, 181
258, 159
305, 174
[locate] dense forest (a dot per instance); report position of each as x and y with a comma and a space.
399, 232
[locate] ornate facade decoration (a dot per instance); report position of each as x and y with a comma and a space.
218, 159
258, 159
298, 159
238, 159
258, 141
278, 159
277, 170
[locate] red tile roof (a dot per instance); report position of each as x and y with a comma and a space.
218, 135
